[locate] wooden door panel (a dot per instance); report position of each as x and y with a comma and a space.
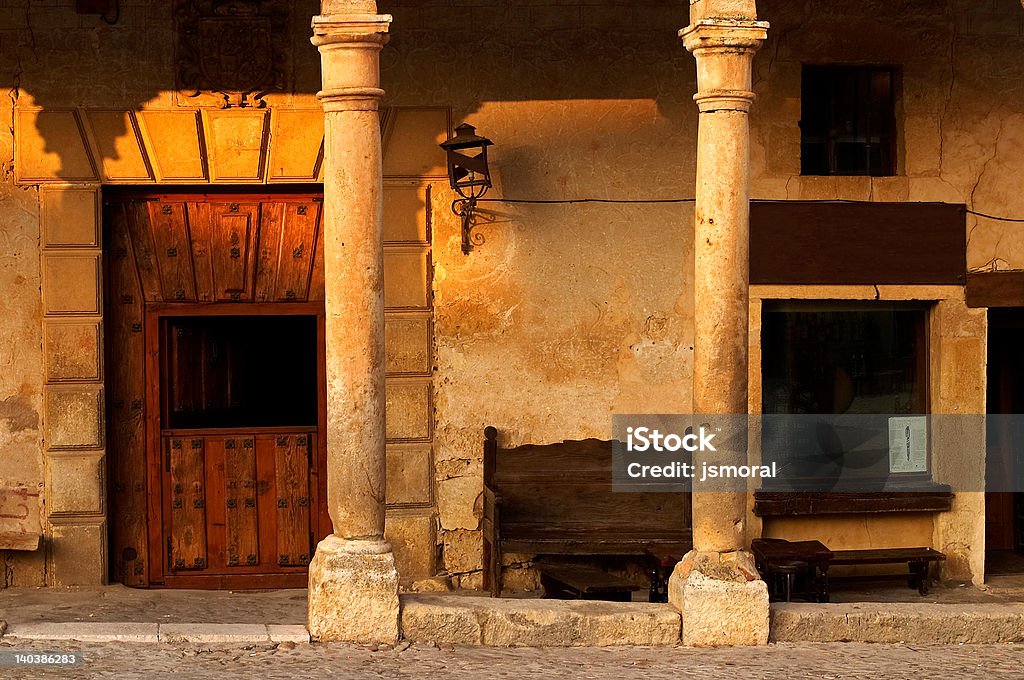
168, 222
200, 225
292, 462
288, 237
187, 472
298, 243
127, 387
268, 250
240, 498
233, 239
316, 279
144, 251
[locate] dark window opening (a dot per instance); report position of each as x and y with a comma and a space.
848, 120
864, 362
239, 371
844, 358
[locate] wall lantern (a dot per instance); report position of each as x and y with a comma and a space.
469, 176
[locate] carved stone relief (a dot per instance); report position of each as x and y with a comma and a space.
231, 53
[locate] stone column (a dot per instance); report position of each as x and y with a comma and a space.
716, 585
353, 585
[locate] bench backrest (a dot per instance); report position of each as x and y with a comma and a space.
559, 497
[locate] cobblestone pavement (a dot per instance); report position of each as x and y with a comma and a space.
789, 661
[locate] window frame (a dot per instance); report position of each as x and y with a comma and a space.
910, 480
889, 133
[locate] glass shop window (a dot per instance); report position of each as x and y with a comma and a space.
862, 368
844, 358
848, 120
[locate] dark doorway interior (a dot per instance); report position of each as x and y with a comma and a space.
1004, 511
240, 371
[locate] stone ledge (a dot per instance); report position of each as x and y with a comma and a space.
171, 633
19, 540
923, 623
85, 632
496, 622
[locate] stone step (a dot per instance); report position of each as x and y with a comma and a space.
174, 633
924, 623
498, 622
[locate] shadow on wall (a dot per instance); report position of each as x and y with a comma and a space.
61, 60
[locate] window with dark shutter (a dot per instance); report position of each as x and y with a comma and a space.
848, 120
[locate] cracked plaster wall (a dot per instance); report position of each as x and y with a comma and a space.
568, 314
21, 459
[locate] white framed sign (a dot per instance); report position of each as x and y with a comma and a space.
908, 444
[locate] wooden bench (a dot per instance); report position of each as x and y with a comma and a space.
566, 581
816, 559
775, 558
918, 561
556, 500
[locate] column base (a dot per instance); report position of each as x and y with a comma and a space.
353, 592
722, 599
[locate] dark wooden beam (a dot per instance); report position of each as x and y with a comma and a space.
842, 243
995, 289
790, 504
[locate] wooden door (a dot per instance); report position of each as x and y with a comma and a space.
206, 501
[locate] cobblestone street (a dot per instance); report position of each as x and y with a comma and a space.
791, 661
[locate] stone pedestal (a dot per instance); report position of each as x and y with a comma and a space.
721, 598
353, 592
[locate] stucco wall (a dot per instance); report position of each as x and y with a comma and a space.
21, 366
570, 313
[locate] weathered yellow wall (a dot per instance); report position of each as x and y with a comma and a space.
567, 313
856, 532
21, 459
961, 113
570, 313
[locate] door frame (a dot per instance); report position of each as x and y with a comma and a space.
157, 533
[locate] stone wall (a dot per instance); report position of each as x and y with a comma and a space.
567, 313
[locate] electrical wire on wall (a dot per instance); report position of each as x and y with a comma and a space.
568, 201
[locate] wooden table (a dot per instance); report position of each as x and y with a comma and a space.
812, 583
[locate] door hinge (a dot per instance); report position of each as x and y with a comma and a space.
312, 543
170, 552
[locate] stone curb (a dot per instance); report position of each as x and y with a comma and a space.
924, 623
171, 633
474, 620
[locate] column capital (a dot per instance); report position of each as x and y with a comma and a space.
341, 29
349, 45
724, 49
731, 34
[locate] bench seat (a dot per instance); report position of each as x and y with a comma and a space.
581, 582
886, 556
817, 559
